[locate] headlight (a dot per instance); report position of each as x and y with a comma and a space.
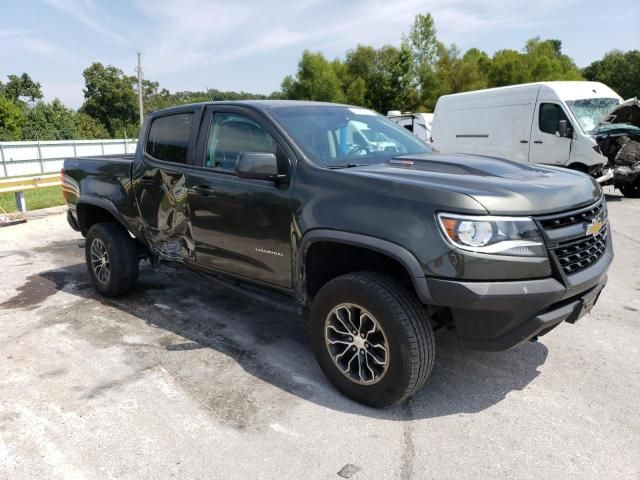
517, 236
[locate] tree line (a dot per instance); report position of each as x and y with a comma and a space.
410, 77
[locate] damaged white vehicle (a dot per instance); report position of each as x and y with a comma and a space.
580, 125
618, 139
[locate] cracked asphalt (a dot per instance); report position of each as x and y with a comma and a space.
186, 378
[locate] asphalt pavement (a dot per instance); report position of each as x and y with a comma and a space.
185, 378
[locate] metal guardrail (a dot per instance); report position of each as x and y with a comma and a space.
29, 158
20, 185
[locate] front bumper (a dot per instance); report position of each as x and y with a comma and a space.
500, 315
607, 174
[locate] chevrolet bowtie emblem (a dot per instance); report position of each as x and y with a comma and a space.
594, 227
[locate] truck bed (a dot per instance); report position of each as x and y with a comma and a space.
101, 180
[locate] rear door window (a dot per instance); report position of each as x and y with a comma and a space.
169, 137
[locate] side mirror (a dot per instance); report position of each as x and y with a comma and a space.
564, 130
258, 166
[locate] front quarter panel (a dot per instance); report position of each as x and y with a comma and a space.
403, 213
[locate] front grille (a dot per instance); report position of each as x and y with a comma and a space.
568, 240
576, 255
574, 217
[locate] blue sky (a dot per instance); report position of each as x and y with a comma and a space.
252, 44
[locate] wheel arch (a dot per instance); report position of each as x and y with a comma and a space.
91, 210
365, 243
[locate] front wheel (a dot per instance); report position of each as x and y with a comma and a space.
372, 338
112, 259
632, 189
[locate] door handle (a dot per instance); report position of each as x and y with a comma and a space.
524, 141
147, 181
538, 141
204, 190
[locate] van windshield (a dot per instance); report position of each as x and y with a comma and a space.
335, 136
590, 111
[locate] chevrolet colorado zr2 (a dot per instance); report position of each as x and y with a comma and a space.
378, 242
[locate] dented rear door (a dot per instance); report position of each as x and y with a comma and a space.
160, 184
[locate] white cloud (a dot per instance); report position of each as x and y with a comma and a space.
85, 12
193, 33
29, 41
186, 36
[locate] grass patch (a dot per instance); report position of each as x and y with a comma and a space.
36, 199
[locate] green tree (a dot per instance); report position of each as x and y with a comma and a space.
356, 91
110, 98
391, 83
431, 87
359, 66
545, 61
21, 88
620, 70
49, 121
422, 40
11, 119
481, 59
89, 128
508, 67
316, 79
425, 50
456, 73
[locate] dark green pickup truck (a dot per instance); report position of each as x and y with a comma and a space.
379, 239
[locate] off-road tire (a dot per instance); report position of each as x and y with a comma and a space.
122, 256
411, 352
631, 190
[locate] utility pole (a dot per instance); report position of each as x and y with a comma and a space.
139, 70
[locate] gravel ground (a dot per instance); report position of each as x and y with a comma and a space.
186, 378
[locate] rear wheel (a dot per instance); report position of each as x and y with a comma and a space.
112, 259
372, 338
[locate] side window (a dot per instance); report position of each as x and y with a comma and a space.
231, 134
169, 137
549, 117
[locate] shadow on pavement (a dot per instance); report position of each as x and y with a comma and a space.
271, 344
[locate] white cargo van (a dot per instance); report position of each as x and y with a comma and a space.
546, 122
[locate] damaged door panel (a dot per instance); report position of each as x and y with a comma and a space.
163, 202
618, 139
160, 185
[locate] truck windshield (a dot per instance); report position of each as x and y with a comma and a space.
336, 136
589, 111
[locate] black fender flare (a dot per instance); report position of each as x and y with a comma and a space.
393, 250
105, 204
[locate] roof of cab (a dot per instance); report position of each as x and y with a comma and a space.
257, 104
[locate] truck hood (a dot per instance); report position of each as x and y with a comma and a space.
625, 116
502, 187
618, 138
627, 112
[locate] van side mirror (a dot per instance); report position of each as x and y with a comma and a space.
564, 130
258, 166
